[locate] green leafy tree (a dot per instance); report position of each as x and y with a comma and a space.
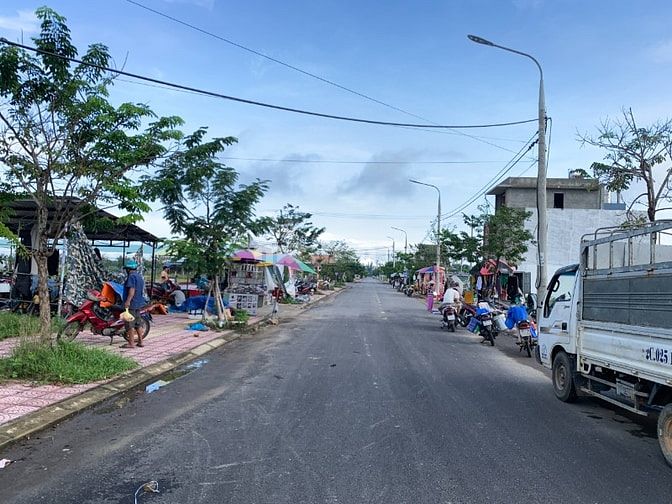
635, 154
506, 237
63, 144
341, 262
205, 207
292, 231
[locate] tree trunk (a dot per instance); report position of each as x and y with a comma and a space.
218, 300
40, 253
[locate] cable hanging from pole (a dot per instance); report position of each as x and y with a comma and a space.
258, 103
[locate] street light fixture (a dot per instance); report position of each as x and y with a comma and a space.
438, 230
542, 217
405, 238
394, 256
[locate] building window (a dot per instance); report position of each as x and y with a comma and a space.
558, 200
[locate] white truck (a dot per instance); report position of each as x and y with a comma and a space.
606, 325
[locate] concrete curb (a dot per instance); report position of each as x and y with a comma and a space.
27, 425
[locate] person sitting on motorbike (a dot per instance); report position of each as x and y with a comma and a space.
451, 298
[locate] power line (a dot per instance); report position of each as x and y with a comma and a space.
326, 161
257, 103
507, 168
285, 64
478, 138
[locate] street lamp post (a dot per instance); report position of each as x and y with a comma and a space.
394, 255
542, 221
405, 238
438, 231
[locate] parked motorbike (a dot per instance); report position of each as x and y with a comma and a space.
102, 320
409, 290
449, 320
163, 292
525, 340
487, 330
464, 315
305, 287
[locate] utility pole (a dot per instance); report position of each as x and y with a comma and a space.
394, 255
542, 213
439, 285
405, 238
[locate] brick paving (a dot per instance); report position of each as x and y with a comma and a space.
168, 337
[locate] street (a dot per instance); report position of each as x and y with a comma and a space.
363, 399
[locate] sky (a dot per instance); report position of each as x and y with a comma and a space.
598, 57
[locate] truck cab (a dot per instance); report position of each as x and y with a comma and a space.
606, 326
557, 321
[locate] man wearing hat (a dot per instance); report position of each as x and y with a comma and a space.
134, 286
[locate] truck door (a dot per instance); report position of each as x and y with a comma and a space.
555, 320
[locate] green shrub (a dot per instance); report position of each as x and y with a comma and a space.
16, 325
241, 316
65, 362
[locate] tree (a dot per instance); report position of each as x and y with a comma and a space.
63, 145
292, 231
635, 154
506, 237
204, 207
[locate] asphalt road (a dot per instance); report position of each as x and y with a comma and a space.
364, 399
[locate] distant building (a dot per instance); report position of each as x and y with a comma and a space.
576, 206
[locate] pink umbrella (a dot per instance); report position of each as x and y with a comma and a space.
246, 255
295, 264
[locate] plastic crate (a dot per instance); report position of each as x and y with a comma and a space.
473, 324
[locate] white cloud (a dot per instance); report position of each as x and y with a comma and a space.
24, 21
661, 52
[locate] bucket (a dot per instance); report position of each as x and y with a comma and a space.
473, 324
500, 322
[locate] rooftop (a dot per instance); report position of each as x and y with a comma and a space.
22, 215
566, 184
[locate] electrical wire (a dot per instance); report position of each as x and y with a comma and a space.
307, 73
326, 161
482, 139
258, 103
493, 181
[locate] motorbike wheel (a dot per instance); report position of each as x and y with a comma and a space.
489, 336
452, 326
463, 317
528, 349
69, 332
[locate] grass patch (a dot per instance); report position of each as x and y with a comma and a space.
18, 325
66, 362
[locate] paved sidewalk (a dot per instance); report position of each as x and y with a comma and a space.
169, 340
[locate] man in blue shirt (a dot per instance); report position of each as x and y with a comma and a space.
134, 286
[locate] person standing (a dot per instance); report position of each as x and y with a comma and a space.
134, 286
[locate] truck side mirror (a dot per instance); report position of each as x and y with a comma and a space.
564, 326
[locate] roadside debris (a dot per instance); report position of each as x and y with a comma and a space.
153, 387
4, 463
149, 487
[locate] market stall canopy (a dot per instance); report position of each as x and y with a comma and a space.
296, 264
22, 215
290, 261
430, 269
250, 255
490, 266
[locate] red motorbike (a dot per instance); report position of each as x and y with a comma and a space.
103, 320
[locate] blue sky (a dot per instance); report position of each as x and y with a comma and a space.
598, 56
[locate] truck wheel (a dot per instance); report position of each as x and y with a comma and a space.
563, 378
665, 433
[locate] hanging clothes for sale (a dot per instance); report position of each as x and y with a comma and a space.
83, 270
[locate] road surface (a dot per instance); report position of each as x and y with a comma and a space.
364, 399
